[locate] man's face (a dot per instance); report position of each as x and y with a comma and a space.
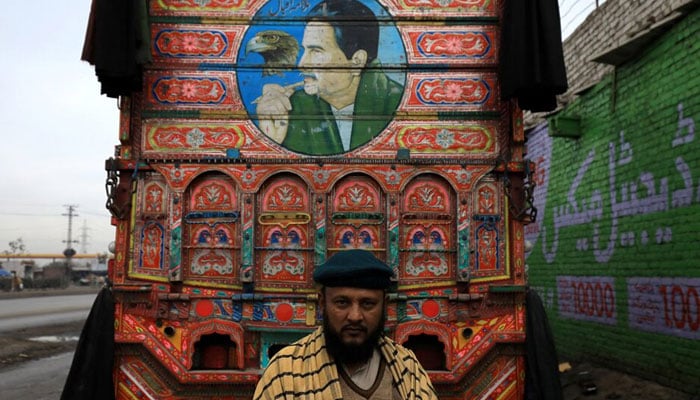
353, 320
325, 67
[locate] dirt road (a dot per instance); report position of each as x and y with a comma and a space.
613, 385
37, 342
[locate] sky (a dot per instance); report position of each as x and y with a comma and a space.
573, 12
57, 130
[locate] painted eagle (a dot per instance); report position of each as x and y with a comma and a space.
279, 50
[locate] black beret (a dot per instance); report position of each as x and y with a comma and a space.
354, 268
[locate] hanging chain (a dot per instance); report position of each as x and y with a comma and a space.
528, 212
118, 193
111, 187
529, 194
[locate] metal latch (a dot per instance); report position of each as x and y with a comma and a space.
311, 304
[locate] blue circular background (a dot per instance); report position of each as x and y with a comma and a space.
272, 16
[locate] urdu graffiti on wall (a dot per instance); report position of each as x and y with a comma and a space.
645, 195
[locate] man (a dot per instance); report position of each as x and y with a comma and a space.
348, 357
347, 100
17, 285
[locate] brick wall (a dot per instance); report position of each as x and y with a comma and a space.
616, 248
609, 25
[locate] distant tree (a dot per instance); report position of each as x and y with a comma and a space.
16, 247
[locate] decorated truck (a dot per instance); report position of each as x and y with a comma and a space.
251, 152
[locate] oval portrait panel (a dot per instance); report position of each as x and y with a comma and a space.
321, 77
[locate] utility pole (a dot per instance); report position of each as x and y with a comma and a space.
69, 241
69, 252
84, 238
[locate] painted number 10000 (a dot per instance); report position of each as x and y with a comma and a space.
588, 298
594, 299
665, 305
681, 306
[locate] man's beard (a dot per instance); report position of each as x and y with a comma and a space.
351, 353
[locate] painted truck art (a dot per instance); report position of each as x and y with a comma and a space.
253, 153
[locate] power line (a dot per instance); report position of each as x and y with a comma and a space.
564, 14
562, 3
11, 214
575, 18
96, 214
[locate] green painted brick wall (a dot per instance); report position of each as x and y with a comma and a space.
616, 248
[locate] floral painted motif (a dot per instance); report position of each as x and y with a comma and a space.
190, 43
443, 7
487, 253
488, 202
281, 254
189, 90
212, 196
211, 262
283, 232
364, 237
453, 44
426, 198
152, 246
284, 197
453, 91
425, 255
356, 197
154, 202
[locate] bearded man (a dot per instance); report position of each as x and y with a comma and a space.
348, 357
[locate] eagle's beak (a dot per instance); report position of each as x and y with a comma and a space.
257, 45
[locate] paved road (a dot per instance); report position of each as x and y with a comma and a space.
37, 380
41, 379
41, 311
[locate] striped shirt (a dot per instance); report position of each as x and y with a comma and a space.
304, 370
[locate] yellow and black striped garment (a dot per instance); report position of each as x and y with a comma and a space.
304, 370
